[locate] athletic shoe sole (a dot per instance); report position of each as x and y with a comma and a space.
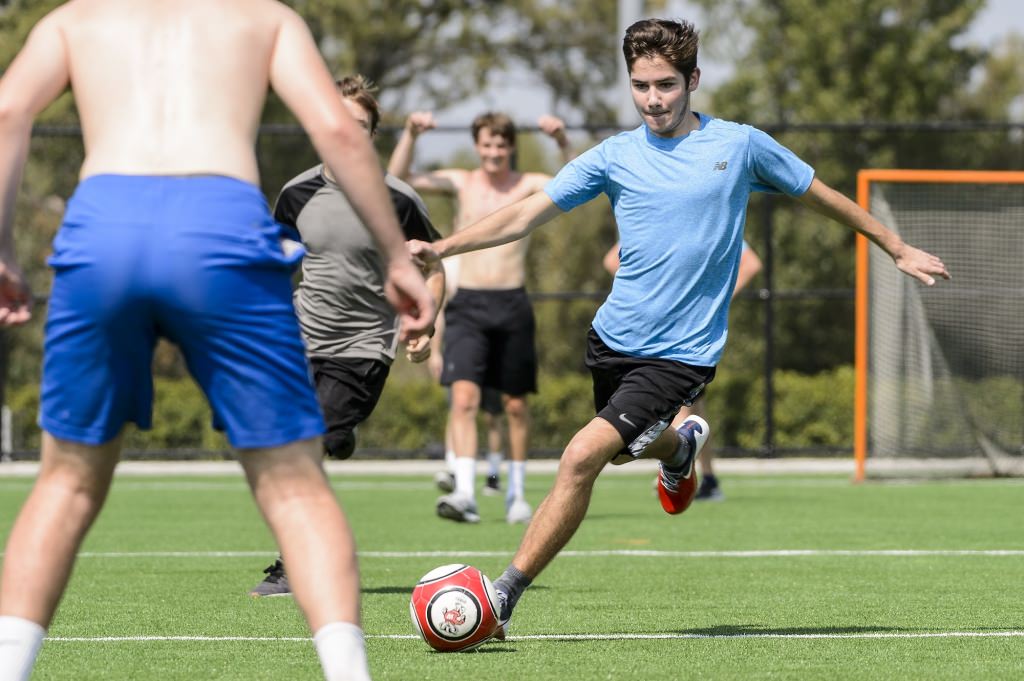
451, 511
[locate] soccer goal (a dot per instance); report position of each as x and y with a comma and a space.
940, 370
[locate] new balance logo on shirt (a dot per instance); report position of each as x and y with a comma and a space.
721, 165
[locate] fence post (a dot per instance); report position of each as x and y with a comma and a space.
6, 433
767, 221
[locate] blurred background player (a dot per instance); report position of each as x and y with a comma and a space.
490, 406
489, 324
709, 489
168, 234
679, 186
350, 330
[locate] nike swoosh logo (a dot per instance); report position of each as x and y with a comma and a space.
623, 417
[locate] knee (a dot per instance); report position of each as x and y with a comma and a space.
340, 445
77, 495
465, 407
516, 409
580, 464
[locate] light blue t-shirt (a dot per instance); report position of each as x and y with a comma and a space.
680, 205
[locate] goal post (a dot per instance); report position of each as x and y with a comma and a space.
940, 370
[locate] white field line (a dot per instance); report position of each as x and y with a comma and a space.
624, 553
561, 637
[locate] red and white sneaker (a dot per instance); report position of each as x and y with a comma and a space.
676, 489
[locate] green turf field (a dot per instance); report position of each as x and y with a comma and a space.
804, 578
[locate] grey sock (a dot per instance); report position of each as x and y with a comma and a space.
512, 583
681, 456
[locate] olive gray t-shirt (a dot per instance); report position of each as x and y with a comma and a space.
340, 300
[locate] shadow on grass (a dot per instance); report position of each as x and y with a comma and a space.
407, 590
755, 630
484, 649
388, 590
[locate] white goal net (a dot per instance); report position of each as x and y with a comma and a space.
945, 364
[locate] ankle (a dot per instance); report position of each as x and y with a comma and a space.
342, 651
512, 582
680, 457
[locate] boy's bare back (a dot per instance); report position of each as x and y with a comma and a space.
173, 86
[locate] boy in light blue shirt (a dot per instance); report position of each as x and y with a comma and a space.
679, 186
680, 204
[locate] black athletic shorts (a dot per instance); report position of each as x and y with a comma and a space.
488, 339
490, 401
640, 396
348, 391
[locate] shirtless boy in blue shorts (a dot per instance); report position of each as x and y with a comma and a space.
168, 235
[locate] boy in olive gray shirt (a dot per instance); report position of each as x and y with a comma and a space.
350, 329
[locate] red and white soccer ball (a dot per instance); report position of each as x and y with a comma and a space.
454, 608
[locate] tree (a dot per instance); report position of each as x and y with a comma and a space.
801, 61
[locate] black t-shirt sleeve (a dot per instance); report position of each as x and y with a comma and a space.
292, 200
415, 225
287, 208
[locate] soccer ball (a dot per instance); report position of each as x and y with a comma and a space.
454, 608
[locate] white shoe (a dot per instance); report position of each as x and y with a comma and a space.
519, 511
445, 481
458, 507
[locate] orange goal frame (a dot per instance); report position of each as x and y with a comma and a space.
864, 180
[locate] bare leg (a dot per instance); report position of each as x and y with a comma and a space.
465, 405
73, 483
462, 420
493, 422
292, 492
563, 509
518, 426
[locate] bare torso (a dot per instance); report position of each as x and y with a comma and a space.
501, 267
170, 86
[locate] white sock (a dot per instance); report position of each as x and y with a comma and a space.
449, 459
20, 641
342, 652
465, 476
494, 460
516, 477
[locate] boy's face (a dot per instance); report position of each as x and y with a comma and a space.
661, 95
494, 151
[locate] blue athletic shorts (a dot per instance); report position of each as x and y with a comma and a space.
194, 259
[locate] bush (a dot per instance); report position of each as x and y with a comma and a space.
181, 420
810, 411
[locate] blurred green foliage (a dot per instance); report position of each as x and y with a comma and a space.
796, 62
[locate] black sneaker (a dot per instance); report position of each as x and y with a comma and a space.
274, 584
493, 486
709, 490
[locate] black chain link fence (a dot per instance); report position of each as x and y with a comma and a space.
796, 319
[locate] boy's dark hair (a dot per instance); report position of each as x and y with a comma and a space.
360, 90
674, 41
498, 123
